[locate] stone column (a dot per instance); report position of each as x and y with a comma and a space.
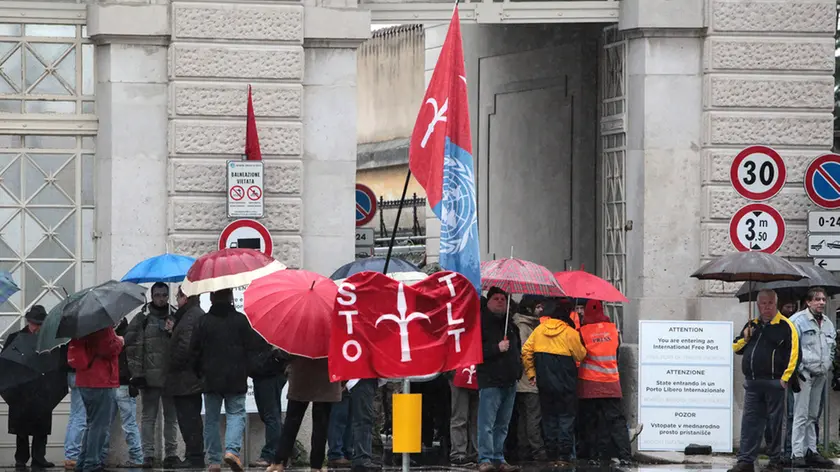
131, 96
662, 166
331, 37
131, 154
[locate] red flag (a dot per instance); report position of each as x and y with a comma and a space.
466, 377
385, 329
444, 118
252, 140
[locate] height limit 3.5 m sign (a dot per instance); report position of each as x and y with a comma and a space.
758, 173
757, 227
245, 189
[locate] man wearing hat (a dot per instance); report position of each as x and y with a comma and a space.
29, 415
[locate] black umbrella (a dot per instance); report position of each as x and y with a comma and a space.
20, 363
794, 290
373, 264
749, 267
100, 307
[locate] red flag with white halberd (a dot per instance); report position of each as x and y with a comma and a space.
252, 139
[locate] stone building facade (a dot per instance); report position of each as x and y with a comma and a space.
683, 87
119, 115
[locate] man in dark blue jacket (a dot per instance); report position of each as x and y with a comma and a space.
769, 347
497, 378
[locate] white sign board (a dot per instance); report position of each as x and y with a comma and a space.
365, 237
824, 245
830, 264
245, 189
824, 221
685, 384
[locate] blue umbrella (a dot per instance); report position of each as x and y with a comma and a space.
163, 268
373, 264
8, 287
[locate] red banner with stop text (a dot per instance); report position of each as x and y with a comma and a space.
383, 328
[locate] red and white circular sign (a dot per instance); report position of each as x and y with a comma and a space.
757, 227
249, 234
758, 173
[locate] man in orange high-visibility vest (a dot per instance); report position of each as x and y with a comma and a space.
599, 389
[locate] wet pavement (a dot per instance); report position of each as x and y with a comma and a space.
530, 467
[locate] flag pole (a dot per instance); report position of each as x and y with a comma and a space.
396, 223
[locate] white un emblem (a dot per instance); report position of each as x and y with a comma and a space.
458, 209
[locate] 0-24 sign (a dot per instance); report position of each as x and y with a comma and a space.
824, 221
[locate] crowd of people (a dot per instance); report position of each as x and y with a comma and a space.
787, 359
546, 363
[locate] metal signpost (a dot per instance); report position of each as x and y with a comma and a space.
245, 189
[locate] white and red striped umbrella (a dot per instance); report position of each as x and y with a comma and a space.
228, 268
519, 276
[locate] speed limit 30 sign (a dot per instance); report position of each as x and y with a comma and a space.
757, 227
758, 173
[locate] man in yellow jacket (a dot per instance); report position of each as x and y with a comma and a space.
549, 356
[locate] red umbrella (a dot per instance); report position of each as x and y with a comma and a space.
519, 276
228, 268
580, 284
292, 309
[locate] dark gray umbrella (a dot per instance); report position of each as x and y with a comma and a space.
100, 307
749, 267
19, 363
794, 290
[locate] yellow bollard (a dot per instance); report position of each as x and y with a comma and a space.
407, 423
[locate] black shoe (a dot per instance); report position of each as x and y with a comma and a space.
814, 459
773, 467
20, 466
149, 463
799, 463
42, 464
742, 467
368, 467
171, 462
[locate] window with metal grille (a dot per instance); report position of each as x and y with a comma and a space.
46, 68
613, 148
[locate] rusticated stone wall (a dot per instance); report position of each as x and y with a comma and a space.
768, 79
216, 49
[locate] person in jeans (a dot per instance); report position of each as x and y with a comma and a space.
96, 360
222, 344
817, 340
309, 382
147, 348
269, 375
76, 423
362, 393
769, 346
340, 433
183, 384
549, 356
497, 378
126, 406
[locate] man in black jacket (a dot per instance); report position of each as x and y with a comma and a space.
182, 382
222, 344
497, 378
770, 348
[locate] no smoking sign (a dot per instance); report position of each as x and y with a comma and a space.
758, 173
757, 227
